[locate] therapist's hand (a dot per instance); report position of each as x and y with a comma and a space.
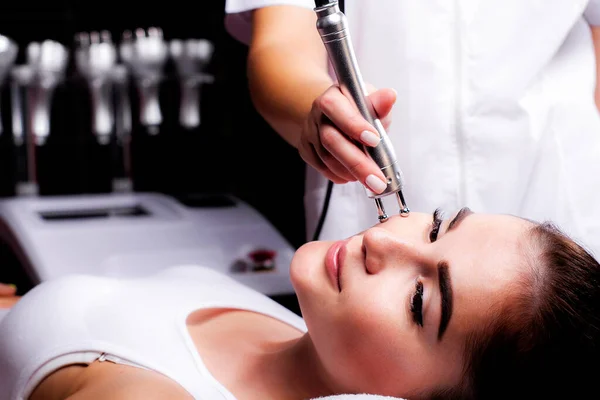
332, 130
7, 296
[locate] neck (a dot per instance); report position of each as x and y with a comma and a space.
289, 370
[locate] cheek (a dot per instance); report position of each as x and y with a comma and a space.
311, 283
364, 344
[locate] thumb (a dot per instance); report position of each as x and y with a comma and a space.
383, 101
7, 290
8, 302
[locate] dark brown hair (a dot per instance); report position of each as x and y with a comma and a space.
544, 345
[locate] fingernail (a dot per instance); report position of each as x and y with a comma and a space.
369, 138
375, 184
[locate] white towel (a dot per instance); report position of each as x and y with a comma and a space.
357, 397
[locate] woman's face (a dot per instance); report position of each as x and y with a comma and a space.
389, 309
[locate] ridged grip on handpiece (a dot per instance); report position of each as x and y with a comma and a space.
323, 3
332, 26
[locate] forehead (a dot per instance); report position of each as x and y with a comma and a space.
488, 256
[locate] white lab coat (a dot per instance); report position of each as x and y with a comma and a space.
495, 108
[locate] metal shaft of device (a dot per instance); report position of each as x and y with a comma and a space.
380, 210
332, 26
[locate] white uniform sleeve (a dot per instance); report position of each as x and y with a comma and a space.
592, 12
238, 18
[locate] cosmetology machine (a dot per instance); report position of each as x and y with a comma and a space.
124, 233
130, 235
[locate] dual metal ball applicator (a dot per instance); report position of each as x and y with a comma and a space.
333, 28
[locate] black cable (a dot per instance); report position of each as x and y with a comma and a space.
323, 211
329, 185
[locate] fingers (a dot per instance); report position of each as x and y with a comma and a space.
311, 157
383, 101
344, 115
335, 166
7, 290
354, 160
8, 302
308, 145
332, 131
332, 160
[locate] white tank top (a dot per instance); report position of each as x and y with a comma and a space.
141, 322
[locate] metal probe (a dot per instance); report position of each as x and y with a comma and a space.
333, 28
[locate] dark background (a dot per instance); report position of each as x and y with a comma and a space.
233, 151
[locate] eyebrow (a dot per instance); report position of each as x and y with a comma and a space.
462, 214
445, 284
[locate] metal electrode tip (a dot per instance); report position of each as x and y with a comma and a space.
381, 211
404, 210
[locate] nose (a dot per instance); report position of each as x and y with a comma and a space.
382, 249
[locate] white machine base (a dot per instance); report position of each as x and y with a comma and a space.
129, 235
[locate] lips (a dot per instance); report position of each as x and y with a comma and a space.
333, 263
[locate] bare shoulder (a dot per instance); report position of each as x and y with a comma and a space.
106, 380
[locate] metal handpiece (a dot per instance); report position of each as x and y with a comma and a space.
333, 28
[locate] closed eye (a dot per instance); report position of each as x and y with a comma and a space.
435, 225
416, 304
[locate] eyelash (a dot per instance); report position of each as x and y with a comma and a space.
416, 304
435, 226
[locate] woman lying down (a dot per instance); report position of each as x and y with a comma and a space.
472, 307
